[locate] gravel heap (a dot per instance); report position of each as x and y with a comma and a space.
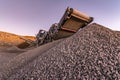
93, 53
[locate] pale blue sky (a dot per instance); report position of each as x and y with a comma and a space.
26, 17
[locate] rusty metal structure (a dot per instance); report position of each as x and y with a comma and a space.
69, 24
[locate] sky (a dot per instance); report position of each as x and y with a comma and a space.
26, 17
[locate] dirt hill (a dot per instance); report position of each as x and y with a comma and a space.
93, 53
9, 39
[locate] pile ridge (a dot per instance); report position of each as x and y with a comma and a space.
93, 53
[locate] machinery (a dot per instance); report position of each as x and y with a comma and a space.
68, 25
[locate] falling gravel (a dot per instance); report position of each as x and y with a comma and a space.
93, 53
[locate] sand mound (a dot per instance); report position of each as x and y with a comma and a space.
91, 54
9, 39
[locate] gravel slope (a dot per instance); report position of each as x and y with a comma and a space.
91, 54
7, 54
22, 59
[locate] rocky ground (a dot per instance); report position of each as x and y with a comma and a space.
7, 54
93, 53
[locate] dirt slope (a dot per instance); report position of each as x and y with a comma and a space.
9, 39
91, 54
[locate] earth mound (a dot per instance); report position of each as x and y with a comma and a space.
93, 53
9, 39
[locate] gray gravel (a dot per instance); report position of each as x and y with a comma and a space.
5, 57
8, 53
91, 54
22, 59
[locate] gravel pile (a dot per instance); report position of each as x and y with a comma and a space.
93, 53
